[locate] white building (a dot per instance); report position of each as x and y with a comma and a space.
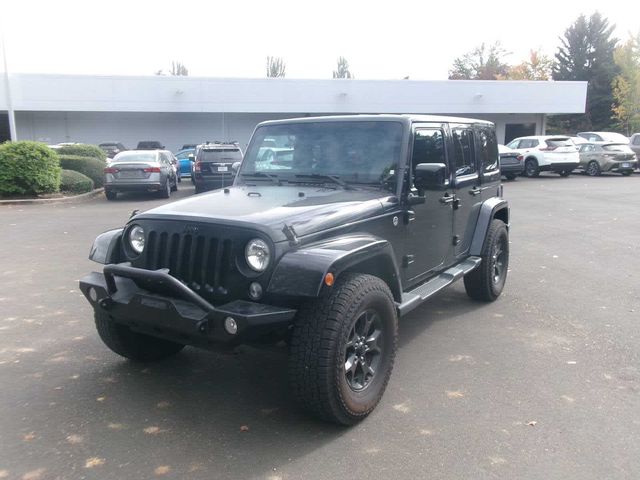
181, 110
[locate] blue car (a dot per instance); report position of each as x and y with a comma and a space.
184, 162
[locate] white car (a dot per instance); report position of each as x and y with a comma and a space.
547, 153
609, 137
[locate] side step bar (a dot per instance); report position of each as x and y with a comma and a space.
420, 294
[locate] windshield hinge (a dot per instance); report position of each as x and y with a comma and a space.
290, 233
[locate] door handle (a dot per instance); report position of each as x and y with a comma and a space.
475, 191
447, 199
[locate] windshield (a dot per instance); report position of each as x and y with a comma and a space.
134, 157
366, 152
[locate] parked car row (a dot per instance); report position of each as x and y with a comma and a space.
589, 152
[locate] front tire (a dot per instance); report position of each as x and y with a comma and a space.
510, 176
531, 168
486, 282
343, 347
626, 173
565, 173
111, 195
133, 345
593, 169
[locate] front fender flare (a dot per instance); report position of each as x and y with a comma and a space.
301, 272
106, 247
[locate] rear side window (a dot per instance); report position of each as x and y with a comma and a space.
488, 150
463, 151
617, 148
636, 140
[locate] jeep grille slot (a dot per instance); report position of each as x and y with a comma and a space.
198, 261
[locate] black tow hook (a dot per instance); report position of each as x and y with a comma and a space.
106, 303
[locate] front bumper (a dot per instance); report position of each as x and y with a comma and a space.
155, 303
133, 187
516, 168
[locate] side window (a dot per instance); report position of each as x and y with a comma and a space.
636, 140
464, 158
525, 143
428, 147
488, 150
514, 144
534, 143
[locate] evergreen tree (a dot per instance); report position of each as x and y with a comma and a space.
586, 53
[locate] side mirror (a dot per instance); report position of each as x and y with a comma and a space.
192, 157
235, 167
430, 176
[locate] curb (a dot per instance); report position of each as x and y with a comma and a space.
45, 201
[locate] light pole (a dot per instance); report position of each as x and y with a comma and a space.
7, 89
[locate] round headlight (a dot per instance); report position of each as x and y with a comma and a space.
136, 239
257, 254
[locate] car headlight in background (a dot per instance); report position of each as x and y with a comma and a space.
257, 254
136, 238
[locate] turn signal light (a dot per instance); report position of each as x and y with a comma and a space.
110, 170
329, 279
152, 170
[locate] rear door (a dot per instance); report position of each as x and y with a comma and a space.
466, 183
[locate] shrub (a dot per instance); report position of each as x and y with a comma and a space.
75, 182
83, 150
28, 168
91, 167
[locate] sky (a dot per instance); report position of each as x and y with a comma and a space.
381, 40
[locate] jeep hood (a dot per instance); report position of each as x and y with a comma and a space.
273, 209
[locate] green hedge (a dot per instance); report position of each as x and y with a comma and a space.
83, 150
91, 167
28, 168
75, 182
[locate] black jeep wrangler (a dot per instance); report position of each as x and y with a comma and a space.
356, 222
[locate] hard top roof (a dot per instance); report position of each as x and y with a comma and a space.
404, 118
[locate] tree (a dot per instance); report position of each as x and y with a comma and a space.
538, 67
626, 86
178, 69
482, 63
343, 69
586, 53
275, 67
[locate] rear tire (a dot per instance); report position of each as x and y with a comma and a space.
343, 347
174, 187
626, 173
133, 345
531, 168
510, 176
166, 190
565, 173
110, 195
486, 282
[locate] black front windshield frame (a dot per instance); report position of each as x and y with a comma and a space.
367, 152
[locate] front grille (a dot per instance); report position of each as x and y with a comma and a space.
196, 260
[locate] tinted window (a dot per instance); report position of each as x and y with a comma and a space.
135, 157
184, 155
636, 140
463, 151
428, 147
488, 150
220, 155
617, 148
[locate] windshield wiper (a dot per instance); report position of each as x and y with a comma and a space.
320, 176
263, 175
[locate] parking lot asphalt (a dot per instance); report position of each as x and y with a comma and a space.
543, 383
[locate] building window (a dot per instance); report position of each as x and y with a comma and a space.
515, 130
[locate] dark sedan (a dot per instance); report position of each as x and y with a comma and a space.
511, 162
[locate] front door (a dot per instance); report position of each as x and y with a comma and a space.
428, 224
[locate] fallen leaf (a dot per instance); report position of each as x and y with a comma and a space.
152, 430
74, 439
532, 423
116, 426
93, 462
29, 436
100, 399
163, 404
402, 407
33, 474
455, 394
244, 428
162, 470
